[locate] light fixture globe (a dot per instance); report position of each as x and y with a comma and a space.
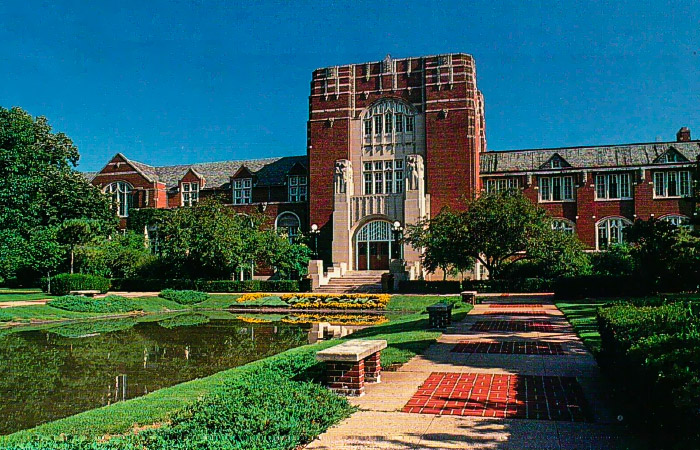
314, 227
397, 225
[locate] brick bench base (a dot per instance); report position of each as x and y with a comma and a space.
351, 364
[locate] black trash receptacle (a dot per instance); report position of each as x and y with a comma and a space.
440, 315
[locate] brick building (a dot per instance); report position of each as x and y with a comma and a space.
399, 139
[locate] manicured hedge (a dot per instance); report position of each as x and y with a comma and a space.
64, 283
184, 297
5, 317
652, 355
510, 285
429, 287
599, 286
108, 304
251, 286
220, 286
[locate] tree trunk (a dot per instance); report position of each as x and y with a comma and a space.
71, 260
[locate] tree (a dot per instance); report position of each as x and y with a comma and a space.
655, 247
39, 187
211, 240
75, 232
440, 243
121, 255
498, 229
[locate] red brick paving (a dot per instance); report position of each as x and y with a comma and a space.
511, 325
509, 348
515, 305
507, 312
504, 396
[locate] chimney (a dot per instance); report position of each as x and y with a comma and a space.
683, 135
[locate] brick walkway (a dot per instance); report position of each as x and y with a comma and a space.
511, 383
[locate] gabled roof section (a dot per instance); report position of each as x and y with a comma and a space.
243, 172
268, 171
298, 169
670, 156
555, 162
609, 156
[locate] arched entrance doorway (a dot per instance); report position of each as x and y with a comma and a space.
374, 246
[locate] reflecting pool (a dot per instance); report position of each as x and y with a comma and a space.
50, 373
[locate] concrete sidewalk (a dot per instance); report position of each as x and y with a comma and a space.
484, 396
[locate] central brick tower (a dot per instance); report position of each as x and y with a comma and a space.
392, 140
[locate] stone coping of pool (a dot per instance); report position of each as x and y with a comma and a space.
353, 350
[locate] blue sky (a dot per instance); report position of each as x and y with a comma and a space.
183, 82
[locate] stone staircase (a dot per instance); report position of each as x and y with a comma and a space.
354, 282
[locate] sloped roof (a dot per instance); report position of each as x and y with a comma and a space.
585, 157
268, 171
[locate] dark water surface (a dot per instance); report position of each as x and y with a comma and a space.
52, 373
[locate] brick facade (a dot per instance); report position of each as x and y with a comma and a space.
442, 160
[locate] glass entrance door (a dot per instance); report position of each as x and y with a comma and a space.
373, 246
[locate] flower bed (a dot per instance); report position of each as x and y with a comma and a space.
337, 319
325, 301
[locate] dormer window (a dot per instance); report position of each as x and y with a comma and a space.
190, 193
242, 190
297, 188
671, 156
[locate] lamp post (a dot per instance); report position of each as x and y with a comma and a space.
315, 232
397, 229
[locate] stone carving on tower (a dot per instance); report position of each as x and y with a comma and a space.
343, 177
414, 166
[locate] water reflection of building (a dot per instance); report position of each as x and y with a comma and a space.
321, 331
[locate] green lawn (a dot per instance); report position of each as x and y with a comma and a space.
13, 295
418, 302
582, 315
46, 312
407, 335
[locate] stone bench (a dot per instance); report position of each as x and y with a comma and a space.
440, 315
469, 297
351, 363
86, 293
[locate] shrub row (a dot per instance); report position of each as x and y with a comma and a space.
651, 352
220, 286
598, 286
64, 283
185, 297
454, 287
510, 285
429, 287
108, 304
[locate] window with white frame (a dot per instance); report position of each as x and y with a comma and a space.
677, 220
383, 177
242, 189
609, 231
563, 225
613, 186
556, 189
500, 184
297, 188
672, 183
120, 191
190, 193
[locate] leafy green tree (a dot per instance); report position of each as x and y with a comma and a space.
290, 259
441, 242
653, 247
121, 255
39, 188
75, 232
498, 229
